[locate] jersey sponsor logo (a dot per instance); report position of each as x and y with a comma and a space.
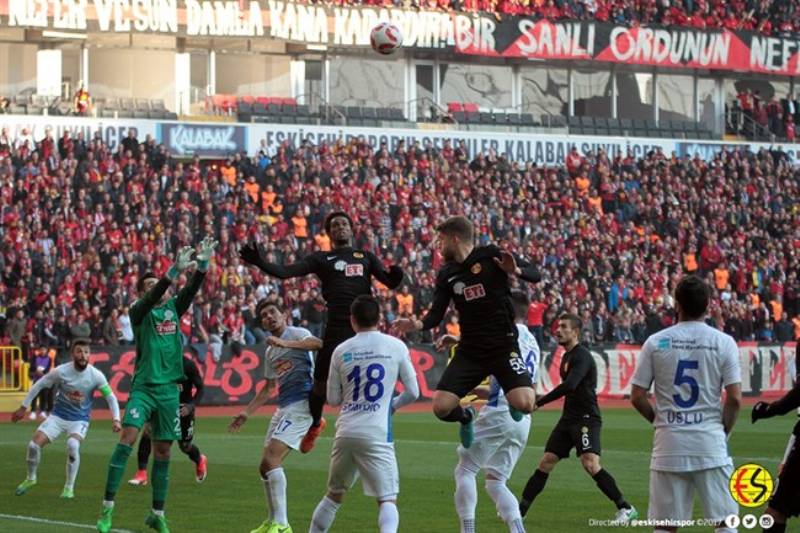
283, 366
347, 357
75, 396
458, 288
166, 327
352, 271
476, 269
358, 255
473, 292
664, 344
751, 485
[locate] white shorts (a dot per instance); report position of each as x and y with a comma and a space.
54, 426
499, 442
290, 424
672, 494
375, 462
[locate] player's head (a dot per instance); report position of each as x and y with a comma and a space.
365, 313
147, 282
339, 226
454, 233
569, 329
691, 298
80, 353
271, 316
521, 302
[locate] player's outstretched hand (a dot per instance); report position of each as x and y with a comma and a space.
506, 262
207, 246
445, 342
237, 422
116, 426
251, 254
273, 340
404, 325
761, 410
184, 260
19, 414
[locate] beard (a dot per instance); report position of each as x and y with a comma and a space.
81, 365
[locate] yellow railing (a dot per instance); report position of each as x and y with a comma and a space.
13, 371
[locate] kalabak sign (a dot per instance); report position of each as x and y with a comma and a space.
767, 371
183, 139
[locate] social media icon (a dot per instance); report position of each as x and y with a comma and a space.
766, 521
749, 521
732, 521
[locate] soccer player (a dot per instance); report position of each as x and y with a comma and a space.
344, 273
191, 391
785, 502
154, 396
499, 441
75, 384
476, 279
688, 365
364, 371
290, 365
580, 422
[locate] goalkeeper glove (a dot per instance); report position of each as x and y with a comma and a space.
207, 247
183, 262
761, 410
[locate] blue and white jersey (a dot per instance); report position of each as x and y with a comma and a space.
291, 367
73, 390
364, 371
529, 351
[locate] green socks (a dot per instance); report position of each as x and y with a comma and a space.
160, 480
116, 469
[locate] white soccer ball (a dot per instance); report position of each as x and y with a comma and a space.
385, 38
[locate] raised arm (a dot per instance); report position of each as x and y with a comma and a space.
515, 265
187, 294
252, 254
392, 278
308, 343
434, 316
145, 304
580, 367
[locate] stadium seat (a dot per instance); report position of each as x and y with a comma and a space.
244, 107
526, 119
259, 109
353, 112
140, 114
574, 122
486, 118
587, 121
455, 107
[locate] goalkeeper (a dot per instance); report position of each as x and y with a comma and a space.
154, 395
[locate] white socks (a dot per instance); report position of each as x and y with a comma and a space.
466, 498
275, 490
73, 461
324, 515
506, 504
34, 456
388, 518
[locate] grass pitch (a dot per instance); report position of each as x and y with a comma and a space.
232, 500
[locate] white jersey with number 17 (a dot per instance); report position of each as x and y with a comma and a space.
688, 364
364, 371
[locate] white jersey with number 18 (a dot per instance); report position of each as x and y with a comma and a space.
363, 374
689, 364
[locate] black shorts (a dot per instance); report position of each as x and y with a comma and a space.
333, 337
465, 372
583, 435
187, 429
786, 499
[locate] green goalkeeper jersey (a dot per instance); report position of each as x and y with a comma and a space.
156, 330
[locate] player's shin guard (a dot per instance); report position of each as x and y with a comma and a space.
533, 487
116, 469
506, 505
143, 452
388, 518
34, 456
275, 489
160, 475
605, 482
466, 498
73, 461
315, 405
324, 515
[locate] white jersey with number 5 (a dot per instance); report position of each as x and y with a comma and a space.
689, 364
529, 352
363, 374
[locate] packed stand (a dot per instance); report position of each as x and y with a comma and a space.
769, 17
81, 222
756, 117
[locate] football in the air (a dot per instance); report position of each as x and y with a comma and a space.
385, 38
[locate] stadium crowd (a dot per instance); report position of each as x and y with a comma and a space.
769, 17
756, 117
612, 234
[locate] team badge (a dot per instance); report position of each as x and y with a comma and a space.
584, 429
476, 268
358, 255
168, 314
751, 485
340, 265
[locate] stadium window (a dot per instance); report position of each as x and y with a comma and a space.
545, 91
706, 107
592, 92
634, 95
361, 82
486, 85
253, 75
20, 70
675, 98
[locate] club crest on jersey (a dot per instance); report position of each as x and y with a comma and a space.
476, 268
458, 288
353, 271
340, 265
283, 366
358, 255
473, 292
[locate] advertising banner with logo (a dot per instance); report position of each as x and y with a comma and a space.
767, 371
205, 140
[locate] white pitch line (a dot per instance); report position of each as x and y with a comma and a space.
56, 522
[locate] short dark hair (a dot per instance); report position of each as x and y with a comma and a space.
693, 294
574, 320
331, 216
459, 226
521, 302
80, 341
366, 311
146, 275
264, 303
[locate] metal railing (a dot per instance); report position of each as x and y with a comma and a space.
13, 376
